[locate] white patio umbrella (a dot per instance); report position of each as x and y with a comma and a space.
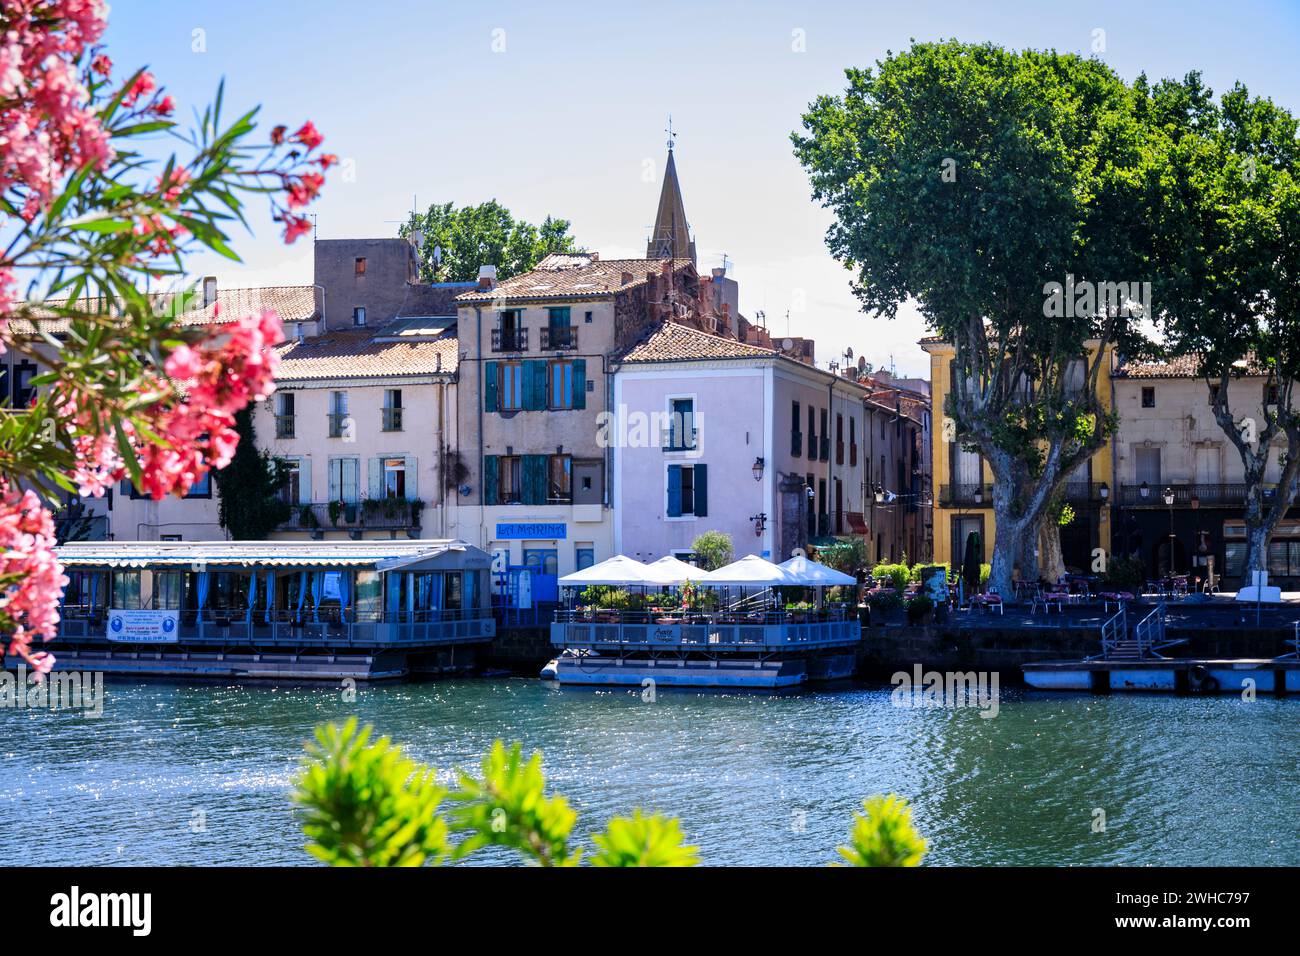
750, 571
618, 570
670, 571
813, 574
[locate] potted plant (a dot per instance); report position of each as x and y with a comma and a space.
920, 609
886, 608
335, 509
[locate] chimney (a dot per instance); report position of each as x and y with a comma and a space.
487, 278
209, 291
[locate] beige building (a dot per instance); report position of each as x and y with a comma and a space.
1169, 441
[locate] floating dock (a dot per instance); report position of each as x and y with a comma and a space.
1174, 675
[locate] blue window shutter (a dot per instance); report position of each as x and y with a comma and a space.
336, 488
579, 383
535, 386
674, 491
490, 386
412, 478
534, 490
701, 491
491, 492
304, 481
376, 478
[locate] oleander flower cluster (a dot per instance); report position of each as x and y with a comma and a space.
128, 391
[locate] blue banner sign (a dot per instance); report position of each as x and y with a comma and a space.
531, 529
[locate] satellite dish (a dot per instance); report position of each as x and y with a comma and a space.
416, 238
437, 255
787, 345
848, 353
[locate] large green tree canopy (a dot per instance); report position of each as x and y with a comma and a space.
486, 234
968, 178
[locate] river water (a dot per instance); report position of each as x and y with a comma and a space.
199, 774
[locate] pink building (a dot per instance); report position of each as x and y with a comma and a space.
709, 433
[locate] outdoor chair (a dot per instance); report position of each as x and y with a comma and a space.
1117, 598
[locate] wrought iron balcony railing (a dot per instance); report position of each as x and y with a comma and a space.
559, 338
966, 496
1211, 496
509, 340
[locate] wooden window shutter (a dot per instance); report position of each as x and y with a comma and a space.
674, 491
701, 491
491, 488
490, 386
579, 383
535, 477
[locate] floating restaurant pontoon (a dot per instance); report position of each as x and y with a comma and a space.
274, 609
742, 635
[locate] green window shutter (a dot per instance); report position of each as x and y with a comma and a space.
559, 318
674, 491
701, 491
535, 386
491, 492
490, 386
412, 480
579, 383
534, 490
376, 478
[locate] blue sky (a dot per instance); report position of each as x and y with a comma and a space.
567, 119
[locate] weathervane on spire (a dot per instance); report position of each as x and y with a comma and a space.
671, 135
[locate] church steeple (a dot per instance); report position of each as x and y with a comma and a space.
670, 238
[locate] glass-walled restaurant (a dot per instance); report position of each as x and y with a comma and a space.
378, 586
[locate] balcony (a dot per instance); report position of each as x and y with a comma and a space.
509, 340
1207, 496
284, 426
392, 419
966, 496
558, 338
1084, 492
679, 439
370, 514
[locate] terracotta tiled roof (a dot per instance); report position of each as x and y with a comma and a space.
675, 342
573, 277
1182, 366
355, 353
293, 302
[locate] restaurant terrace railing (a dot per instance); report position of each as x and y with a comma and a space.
291, 628
1212, 496
771, 630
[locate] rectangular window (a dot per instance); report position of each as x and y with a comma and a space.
584, 555
508, 336
345, 480
1146, 463
853, 441
509, 480
825, 436
796, 436
392, 409
201, 488
284, 417
510, 386
338, 413
560, 483
687, 491
812, 433
359, 315
394, 477
839, 438
681, 424
291, 488
560, 385
359, 266
1148, 396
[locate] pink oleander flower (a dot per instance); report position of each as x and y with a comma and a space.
308, 135
165, 106
144, 85
29, 602
102, 64
295, 226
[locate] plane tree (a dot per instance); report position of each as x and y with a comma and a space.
1229, 274
1005, 193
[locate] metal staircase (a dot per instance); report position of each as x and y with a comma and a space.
1146, 640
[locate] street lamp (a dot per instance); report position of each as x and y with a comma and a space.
1104, 491
758, 468
1169, 500
1144, 490
880, 495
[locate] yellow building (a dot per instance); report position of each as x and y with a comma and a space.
963, 489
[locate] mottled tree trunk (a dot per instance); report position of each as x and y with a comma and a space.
1050, 562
